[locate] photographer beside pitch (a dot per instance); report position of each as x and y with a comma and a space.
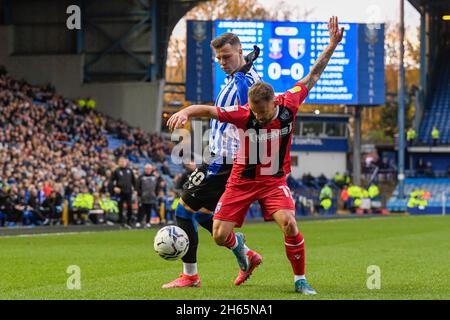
269, 118
207, 183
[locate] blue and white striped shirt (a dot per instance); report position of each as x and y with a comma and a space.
223, 137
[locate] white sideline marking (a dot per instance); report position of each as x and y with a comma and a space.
57, 234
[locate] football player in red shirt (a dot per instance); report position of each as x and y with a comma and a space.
259, 172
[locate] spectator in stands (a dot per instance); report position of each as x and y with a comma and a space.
33, 208
110, 209
308, 180
345, 198
384, 164
19, 203
90, 103
429, 173
170, 205
418, 199
46, 140
386, 169
5, 205
339, 180
348, 179
97, 212
52, 208
435, 135
148, 187
370, 163
420, 168
48, 188
326, 199
165, 169
355, 194
411, 136
81, 206
322, 180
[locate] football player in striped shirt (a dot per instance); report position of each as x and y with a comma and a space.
207, 183
266, 123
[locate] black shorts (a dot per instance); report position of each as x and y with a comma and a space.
206, 185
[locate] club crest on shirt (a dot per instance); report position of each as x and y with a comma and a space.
284, 115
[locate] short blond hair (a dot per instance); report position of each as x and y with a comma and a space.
261, 91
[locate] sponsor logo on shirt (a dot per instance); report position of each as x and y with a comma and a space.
274, 134
295, 89
230, 109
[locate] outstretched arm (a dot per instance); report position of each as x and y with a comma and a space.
322, 61
179, 119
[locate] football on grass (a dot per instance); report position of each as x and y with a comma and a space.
171, 243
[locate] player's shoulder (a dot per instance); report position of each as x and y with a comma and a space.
253, 74
298, 90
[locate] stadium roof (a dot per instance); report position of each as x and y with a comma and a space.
439, 6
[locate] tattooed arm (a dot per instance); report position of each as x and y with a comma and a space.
322, 61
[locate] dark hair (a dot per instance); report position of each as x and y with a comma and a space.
261, 91
226, 38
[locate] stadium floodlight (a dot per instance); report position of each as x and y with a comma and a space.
446, 17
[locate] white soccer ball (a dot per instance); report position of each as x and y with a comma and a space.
171, 243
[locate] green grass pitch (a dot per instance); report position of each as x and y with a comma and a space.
413, 254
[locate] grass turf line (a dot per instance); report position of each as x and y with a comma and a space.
413, 253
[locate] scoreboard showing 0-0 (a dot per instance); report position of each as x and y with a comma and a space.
354, 75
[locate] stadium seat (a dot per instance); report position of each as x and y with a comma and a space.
436, 187
437, 113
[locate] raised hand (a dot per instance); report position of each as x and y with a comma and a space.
333, 28
336, 35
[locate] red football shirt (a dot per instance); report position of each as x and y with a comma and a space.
264, 151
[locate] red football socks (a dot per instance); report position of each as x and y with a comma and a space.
295, 251
230, 242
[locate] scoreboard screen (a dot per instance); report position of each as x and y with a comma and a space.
289, 50
354, 75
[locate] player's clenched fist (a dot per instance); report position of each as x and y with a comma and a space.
335, 34
177, 120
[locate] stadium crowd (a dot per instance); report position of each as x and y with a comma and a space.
54, 155
52, 149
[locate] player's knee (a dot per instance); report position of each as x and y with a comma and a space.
289, 225
219, 235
